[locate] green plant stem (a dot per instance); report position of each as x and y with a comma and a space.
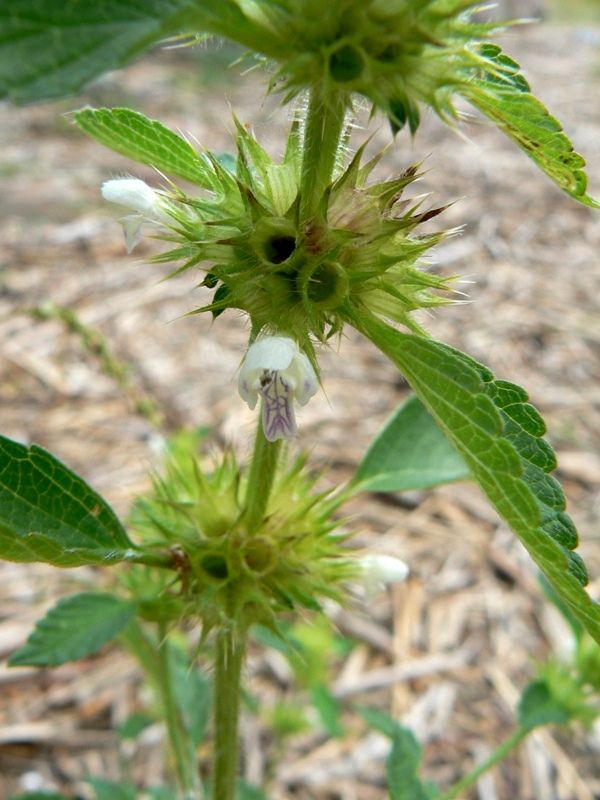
154, 660
260, 478
228, 671
494, 758
187, 773
324, 125
323, 130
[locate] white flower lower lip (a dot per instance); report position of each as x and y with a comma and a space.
276, 370
279, 421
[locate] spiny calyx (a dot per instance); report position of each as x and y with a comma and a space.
229, 573
304, 279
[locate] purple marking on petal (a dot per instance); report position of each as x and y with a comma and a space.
277, 408
308, 389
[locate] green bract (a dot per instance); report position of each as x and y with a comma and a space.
230, 575
300, 278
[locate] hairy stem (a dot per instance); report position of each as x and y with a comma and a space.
228, 671
323, 130
260, 478
494, 758
324, 125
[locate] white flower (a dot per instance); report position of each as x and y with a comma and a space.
132, 193
380, 570
276, 369
135, 194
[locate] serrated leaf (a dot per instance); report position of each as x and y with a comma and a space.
74, 628
537, 706
51, 48
146, 141
48, 513
410, 452
503, 453
502, 93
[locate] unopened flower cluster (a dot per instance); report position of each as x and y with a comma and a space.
398, 54
292, 560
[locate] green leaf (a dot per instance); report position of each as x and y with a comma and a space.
111, 790
537, 706
244, 791
38, 796
134, 725
404, 760
410, 452
228, 161
275, 638
379, 721
402, 768
76, 627
161, 793
552, 595
328, 709
193, 692
48, 513
498, 434
502, 93
52, 48
147, 141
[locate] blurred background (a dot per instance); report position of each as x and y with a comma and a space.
470, 623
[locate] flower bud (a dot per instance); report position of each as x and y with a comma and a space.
136, 195
380, 570
132, 193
